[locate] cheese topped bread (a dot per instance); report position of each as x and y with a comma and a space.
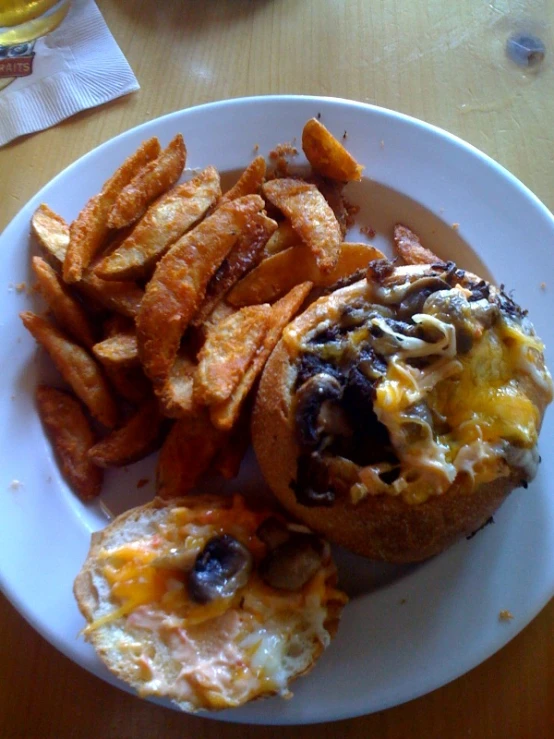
397, 413
208, 603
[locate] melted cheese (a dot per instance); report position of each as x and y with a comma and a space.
480, 398
226, 651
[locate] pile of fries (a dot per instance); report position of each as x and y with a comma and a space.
167, 299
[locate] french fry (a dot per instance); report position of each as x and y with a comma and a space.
229, 350
278, 274
53, 235
410, 248
177, 395
130, 383
186, 454
150, 182
284, 236
245, 255
178, 286
165, 221
224, 415
72, 436
118, 350
310, 216
67, 311
228, 460
77, 367
133, 441
332, 192
327, 155
89, 230
249, 183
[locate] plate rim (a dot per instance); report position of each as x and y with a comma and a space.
44, 629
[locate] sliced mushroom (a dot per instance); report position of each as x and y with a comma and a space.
221, 568
273, 532
416, 295
312, 486
292, 564
309, 398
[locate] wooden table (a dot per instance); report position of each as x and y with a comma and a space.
442, 62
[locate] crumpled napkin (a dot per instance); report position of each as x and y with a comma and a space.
77, 66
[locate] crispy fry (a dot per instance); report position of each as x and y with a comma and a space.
67, 311
310, 216
276, 275
130, 383
245, 255
229, 350
410, 248
332, 191
284, 236
72, 436
177, 289
228, 460
177, 395
327, 155
186, 454
165, 221
77, 367
249, 183
52, 233
133, 441
151, 181
119, 349
224, 415
89, 230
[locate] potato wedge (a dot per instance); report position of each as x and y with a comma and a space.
52, 232
151, 181
165, 221
186, 454
229, 350
327, 155
245, 255
178, 286
410, 248
67, 311
224, 415
310, 216
89, 230
249, 183
130, 383
284, 236
118, 350
72, 436
228, 460
177, 395
53, 235
77, 367
136, 439
278, 274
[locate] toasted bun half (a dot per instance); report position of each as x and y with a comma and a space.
394, 436
206, 602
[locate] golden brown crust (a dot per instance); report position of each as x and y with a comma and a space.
380, 527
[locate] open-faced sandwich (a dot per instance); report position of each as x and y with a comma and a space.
208, 603
396, 414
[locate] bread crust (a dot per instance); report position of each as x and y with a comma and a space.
380, 527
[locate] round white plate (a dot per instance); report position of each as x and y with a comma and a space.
406, 630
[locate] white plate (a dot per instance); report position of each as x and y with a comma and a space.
408, 630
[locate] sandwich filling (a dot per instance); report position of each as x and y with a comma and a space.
412, 384
213, 606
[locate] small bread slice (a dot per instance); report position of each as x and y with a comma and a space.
160, 622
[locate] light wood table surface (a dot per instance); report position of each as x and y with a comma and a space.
442, 62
